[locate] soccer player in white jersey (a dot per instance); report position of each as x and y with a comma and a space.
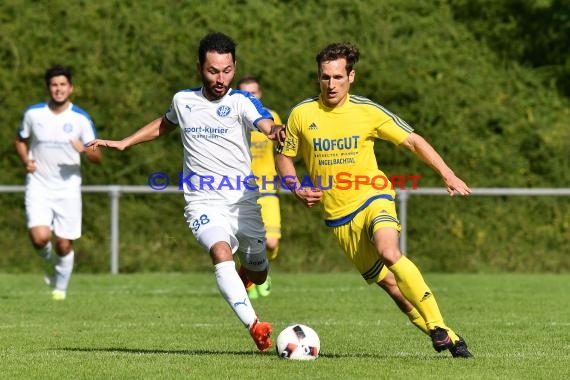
56, 132
215, 122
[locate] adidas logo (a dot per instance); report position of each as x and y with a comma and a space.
313, 126
426, 296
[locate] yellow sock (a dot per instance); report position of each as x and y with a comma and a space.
417, 320
272, 253
452, 334
414, 288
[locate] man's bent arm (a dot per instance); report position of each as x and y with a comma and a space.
22, 150
286, 170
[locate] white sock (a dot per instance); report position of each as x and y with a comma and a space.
45, 252
232, 289
63, 269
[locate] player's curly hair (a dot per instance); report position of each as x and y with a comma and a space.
339, 50
56, 71
218, 42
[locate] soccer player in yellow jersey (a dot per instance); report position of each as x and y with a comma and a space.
335, 134
263, 167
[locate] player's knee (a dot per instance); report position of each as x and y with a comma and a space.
220, 252
63, 246
39, 237
389, 256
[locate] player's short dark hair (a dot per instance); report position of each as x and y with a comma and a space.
218, 42
339, 50
56, 71
247, 79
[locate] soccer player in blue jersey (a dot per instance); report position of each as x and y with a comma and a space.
56, 132
335, 134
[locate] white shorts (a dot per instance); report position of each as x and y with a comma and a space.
61, 211
239, 225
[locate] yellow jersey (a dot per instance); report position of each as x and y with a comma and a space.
337, 145
263, 162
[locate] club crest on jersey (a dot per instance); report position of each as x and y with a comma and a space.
67, 127
223, 111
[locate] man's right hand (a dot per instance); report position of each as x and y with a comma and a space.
308, 196
113, 144
30, 166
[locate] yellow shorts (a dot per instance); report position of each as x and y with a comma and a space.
355, 238
271, 215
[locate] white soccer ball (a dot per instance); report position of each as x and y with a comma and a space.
298, 342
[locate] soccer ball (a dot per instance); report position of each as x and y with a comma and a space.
298, 342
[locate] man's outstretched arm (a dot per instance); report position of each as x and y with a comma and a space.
153, 130
429, 155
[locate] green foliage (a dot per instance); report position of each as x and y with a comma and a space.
484, 236
527, 31
474, 87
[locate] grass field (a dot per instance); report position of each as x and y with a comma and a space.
171, 326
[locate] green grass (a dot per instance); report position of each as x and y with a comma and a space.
170, 326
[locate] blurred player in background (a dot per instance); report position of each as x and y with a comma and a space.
263, 167
335, 133
215, 122
56, 132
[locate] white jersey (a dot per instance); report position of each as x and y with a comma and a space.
216, 136
57, 161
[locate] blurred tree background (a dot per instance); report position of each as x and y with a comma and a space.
486, 82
